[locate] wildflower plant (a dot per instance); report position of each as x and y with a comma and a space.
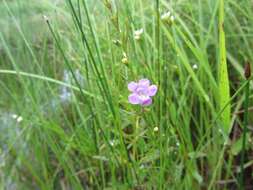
66, 75
141, 92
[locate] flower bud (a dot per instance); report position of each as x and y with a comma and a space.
124, 60
247, 70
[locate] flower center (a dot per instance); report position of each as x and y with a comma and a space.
141, 91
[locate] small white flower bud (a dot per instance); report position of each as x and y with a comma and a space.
124, 60
195, 66
165, 16
14, 116
168, 17
156, 129
138, 33
19, 119
46, 18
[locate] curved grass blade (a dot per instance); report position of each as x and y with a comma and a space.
48, 79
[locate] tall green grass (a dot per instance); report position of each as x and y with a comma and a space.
95, 139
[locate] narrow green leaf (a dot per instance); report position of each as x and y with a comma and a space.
224, 92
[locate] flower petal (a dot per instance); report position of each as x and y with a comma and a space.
144, 83
134, 99
152, 90
147, 102
132, 86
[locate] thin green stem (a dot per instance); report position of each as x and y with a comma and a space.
245, 129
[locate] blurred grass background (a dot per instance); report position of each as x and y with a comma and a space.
95, 139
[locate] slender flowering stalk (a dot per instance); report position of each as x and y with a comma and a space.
247, 74
141, 92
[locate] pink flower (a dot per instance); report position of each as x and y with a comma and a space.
141, 92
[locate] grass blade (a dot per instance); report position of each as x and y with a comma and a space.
224, 91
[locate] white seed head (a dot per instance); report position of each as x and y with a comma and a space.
156, 129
